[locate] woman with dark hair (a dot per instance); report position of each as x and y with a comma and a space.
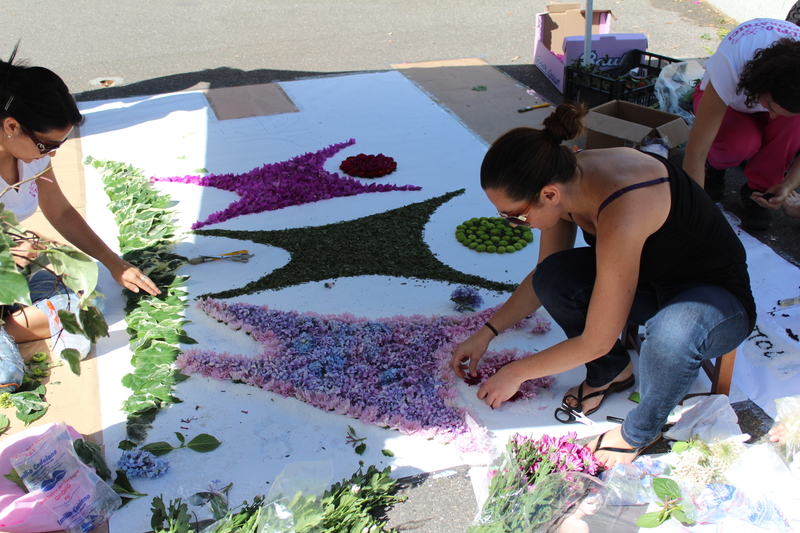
661, 255
747, 108
38, 114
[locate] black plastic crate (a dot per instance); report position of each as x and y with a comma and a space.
596, 89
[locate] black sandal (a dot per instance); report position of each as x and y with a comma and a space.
566, 413
636, 451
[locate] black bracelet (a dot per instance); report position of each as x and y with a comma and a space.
491, 327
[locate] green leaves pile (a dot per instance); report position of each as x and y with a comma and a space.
155, 324
346, 507
29, 400
30, 405
493, 235
74, 269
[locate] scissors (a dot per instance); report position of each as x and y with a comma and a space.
567, 415
241, 256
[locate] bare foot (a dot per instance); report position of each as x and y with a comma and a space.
791, 206
592, 403
613, 439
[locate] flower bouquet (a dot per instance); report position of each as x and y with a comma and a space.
535, 483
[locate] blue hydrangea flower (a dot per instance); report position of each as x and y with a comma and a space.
140, 463
466, 299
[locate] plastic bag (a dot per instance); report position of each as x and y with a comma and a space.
295, 495
631, 484
761, 473
674, 88
658, 145
64, 493
789, 415
715, 503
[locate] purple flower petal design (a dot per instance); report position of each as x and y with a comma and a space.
392, 372
300, 180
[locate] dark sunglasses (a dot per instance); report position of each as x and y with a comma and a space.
43, 147
519, 220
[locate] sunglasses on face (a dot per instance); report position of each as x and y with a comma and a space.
519, 220
43, 147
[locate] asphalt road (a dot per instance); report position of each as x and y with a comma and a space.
154, 46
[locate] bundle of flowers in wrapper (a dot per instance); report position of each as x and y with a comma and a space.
789, 417
535, 483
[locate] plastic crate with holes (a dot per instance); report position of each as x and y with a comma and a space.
633, 82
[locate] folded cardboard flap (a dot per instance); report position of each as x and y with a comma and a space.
565, 20
619, 123
552, 27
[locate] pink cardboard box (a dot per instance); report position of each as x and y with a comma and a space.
560, 21
614, 45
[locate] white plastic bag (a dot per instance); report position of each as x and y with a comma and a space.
298, 487
63, 484
674, 86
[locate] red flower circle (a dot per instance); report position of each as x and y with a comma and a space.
368, 166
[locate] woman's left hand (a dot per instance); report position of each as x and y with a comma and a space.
500, 387
779, 194
132, 278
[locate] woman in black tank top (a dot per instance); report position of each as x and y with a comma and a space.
661, 255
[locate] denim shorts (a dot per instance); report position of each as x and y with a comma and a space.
42, 284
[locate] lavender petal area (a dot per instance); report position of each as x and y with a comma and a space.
392, 372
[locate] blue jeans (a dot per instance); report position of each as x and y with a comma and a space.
684, 325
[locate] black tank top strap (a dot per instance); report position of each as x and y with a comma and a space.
629, 188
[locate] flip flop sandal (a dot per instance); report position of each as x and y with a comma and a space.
636, 451
566, 413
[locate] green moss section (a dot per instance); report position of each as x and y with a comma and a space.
385, 244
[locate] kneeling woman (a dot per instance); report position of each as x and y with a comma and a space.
661, 255
37, 115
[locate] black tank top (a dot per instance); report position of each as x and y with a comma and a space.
696, 244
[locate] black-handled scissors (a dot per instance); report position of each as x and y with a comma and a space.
567, 415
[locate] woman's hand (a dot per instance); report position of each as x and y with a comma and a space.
469, 353
778, 433
777, 195
132, 278
500, 387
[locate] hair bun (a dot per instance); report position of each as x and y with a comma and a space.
566, 122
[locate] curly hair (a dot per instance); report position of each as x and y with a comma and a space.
524, 160
774, 70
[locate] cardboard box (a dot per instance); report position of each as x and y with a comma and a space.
614, 45
560, 21
619, 123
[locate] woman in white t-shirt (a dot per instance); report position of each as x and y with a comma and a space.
37, 115
747, 108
